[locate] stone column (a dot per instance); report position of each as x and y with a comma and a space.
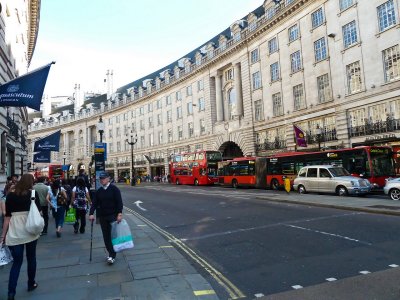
238, 88
219, 98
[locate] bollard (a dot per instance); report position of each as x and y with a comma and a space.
287, 184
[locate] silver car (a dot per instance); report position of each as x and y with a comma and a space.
330, 179
392, 188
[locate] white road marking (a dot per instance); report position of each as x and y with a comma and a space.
265, 227
364, 272
138, 205
393, 266
259, 295
330, 279
331, 234
296, 287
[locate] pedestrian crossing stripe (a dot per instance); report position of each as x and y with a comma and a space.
204, 292
166, 246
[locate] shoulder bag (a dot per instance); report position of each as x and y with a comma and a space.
34, 222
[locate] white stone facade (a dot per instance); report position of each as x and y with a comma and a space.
19, 21
332, 67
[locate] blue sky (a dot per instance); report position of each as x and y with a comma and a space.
131, 37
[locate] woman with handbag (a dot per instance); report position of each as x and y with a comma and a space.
57, 199
16, 235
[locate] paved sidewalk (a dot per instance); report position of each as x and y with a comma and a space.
369, 203
152, 270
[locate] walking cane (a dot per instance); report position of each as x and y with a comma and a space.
91, 239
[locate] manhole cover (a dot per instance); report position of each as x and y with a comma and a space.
385, 207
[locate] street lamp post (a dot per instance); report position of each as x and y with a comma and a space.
99, 156
132, 143
64, 158
100, 128
319, 133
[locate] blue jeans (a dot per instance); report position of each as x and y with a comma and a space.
18, 256
59, 215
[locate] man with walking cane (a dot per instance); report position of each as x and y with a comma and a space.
91, 239
108, 205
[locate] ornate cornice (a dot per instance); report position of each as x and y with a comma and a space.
34, 17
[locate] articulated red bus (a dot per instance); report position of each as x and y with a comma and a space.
198, 168
244, 171
374, 163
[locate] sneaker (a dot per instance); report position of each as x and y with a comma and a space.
76, 225
110, 260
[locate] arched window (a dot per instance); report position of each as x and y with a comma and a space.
232, 103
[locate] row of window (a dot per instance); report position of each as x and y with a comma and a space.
386, 19
391, 70
189, 106
324, 95
375, 113
170, 135
159, 119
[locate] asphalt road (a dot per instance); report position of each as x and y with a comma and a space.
263, 248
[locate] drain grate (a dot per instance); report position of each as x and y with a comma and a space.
385, 207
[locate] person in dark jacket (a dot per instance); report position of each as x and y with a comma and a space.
84, 176
108, 205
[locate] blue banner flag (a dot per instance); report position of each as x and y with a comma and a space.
48, 143
26, 90
41, 157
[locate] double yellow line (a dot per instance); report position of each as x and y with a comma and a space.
225, 283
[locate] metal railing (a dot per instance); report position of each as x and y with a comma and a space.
325, 136
375, 127
277, 144
157, 160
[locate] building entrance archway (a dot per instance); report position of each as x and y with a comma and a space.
230, 150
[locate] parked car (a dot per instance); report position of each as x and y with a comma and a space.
392, 188
330, 179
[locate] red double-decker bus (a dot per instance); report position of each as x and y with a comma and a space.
244, 171
55, 172
198, 168
374, 163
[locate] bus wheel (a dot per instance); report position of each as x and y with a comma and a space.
196, 182
341, 191
274, 184
301, 189
177, 182
235, 184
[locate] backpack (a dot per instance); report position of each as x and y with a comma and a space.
61, 201
80, 198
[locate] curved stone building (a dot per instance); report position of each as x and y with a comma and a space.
19, 24
331, 67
